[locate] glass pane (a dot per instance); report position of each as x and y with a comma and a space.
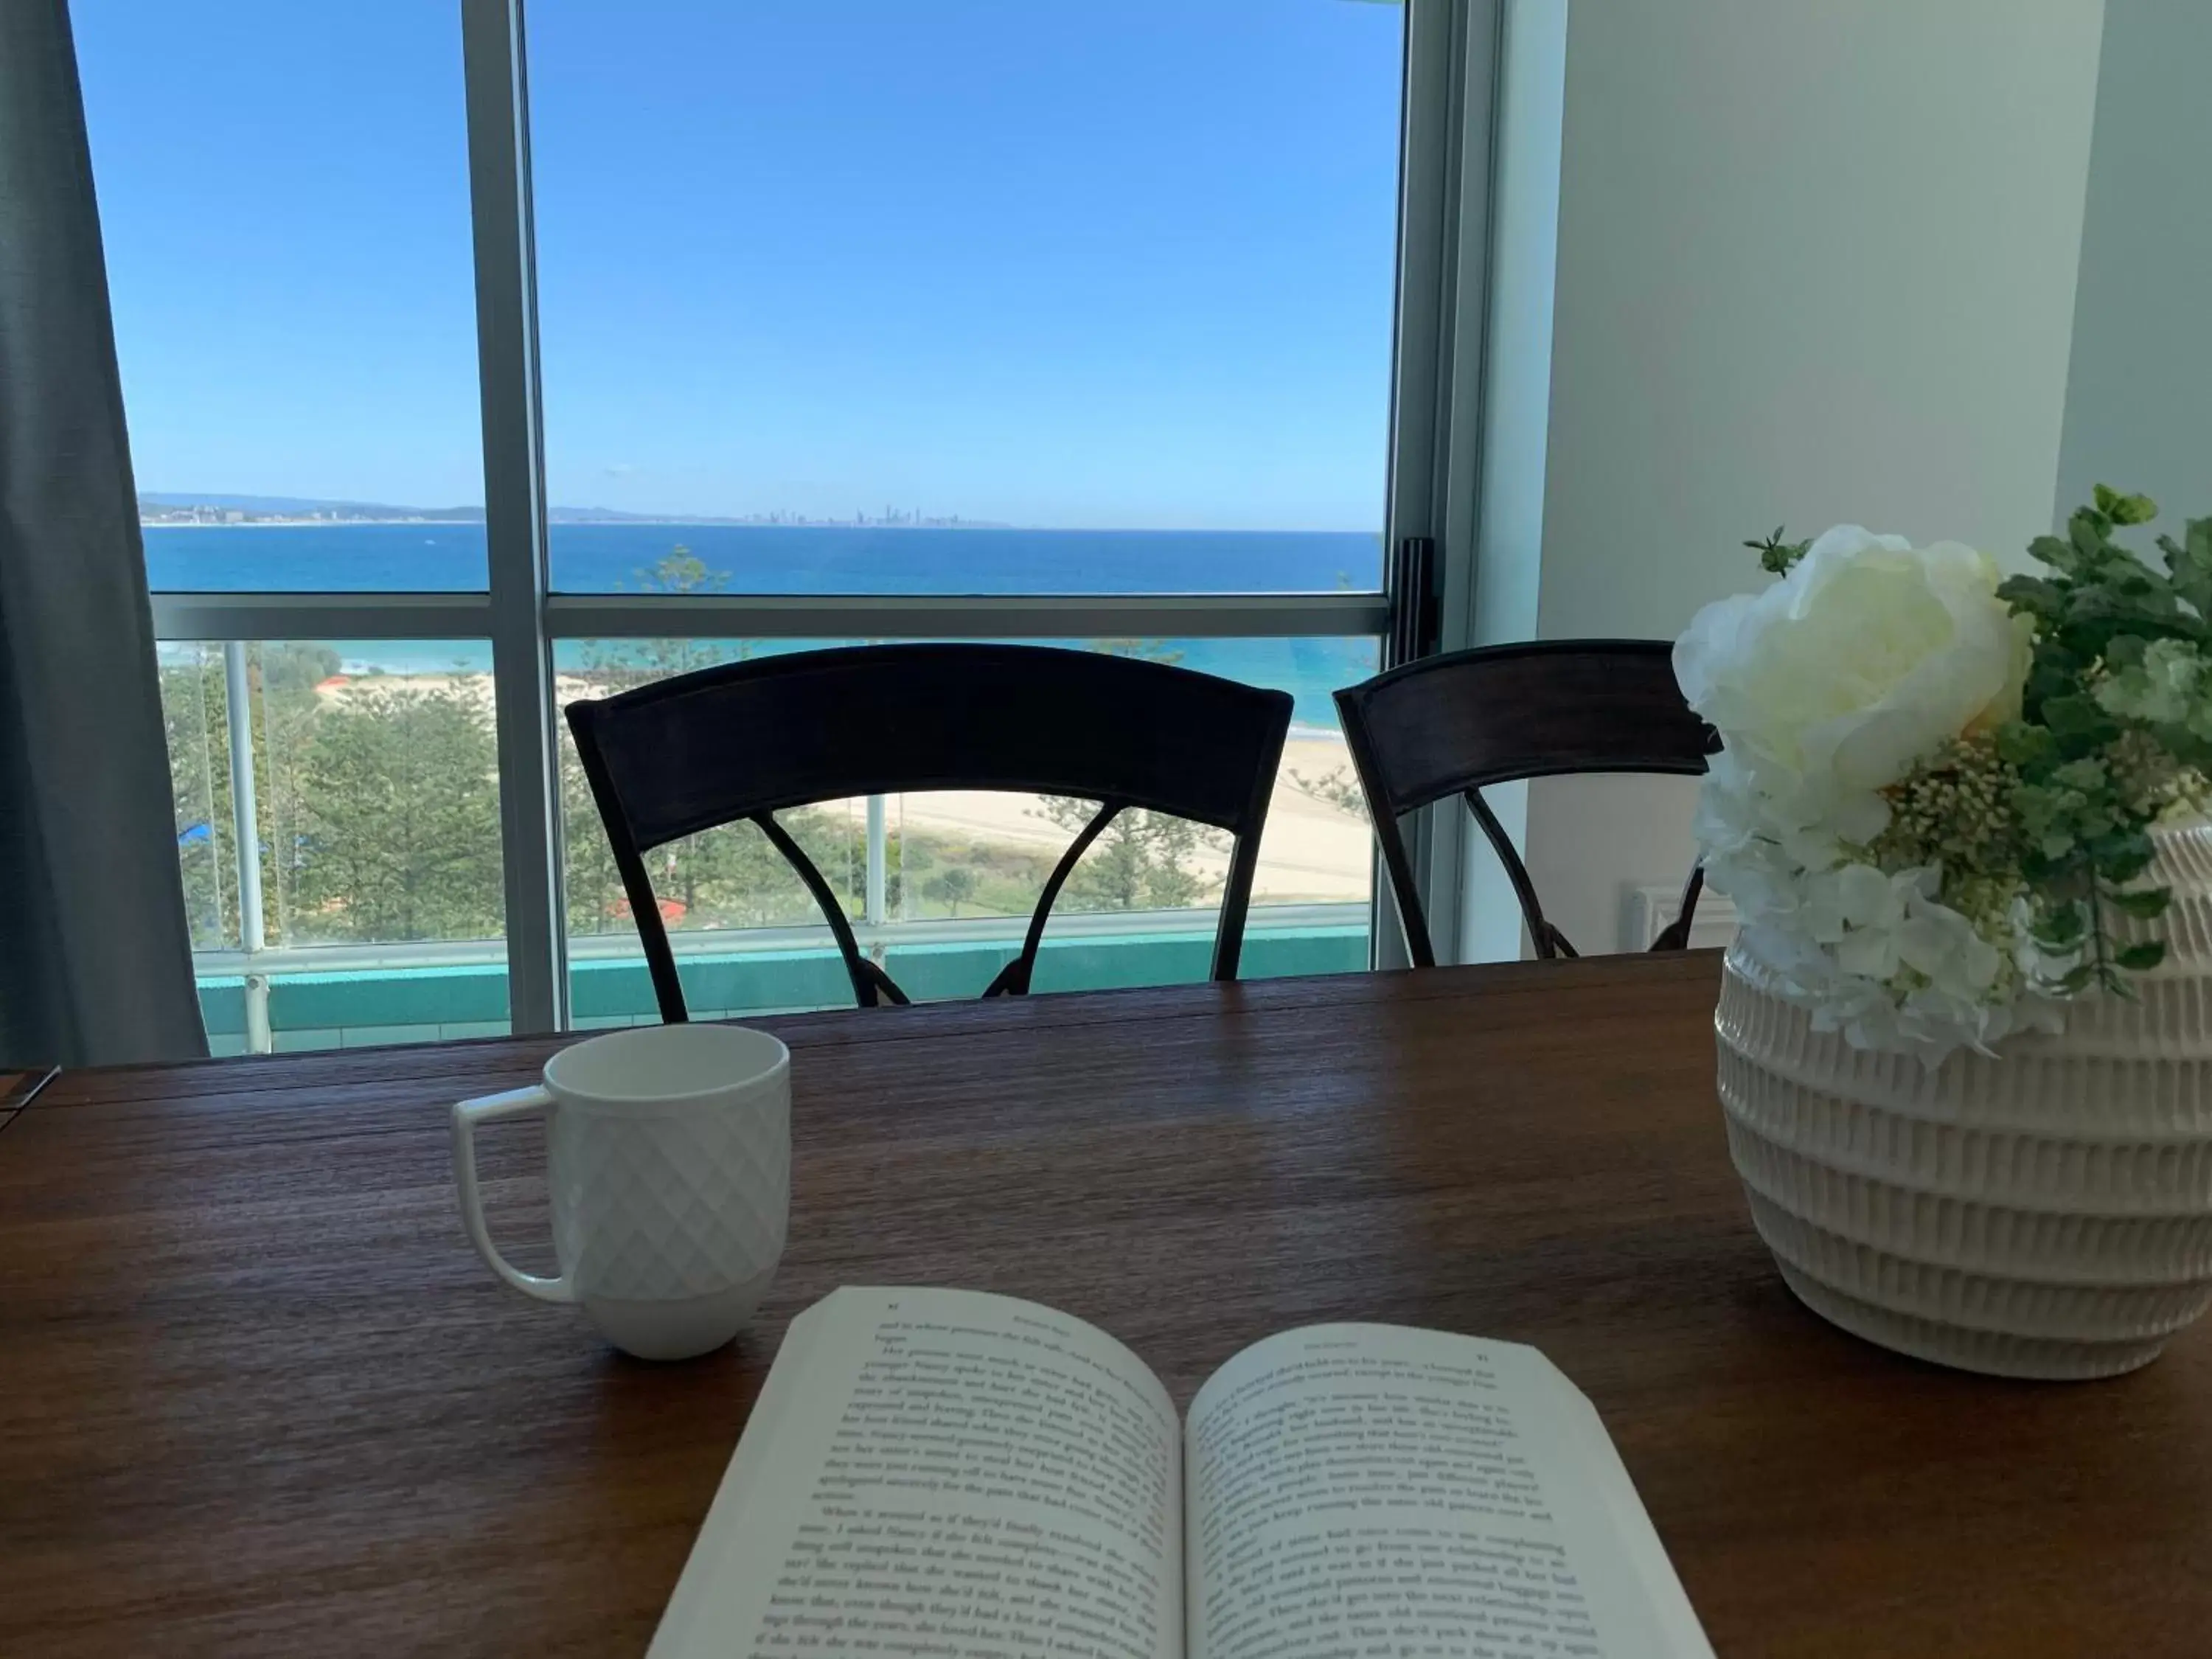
956, 874
967, 297
283, 198
375, 810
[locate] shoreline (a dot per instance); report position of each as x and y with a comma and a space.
733, 524
303, 524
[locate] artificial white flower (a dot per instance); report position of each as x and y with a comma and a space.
1831, 683
1825, 689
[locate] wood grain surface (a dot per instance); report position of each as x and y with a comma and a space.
258, 1397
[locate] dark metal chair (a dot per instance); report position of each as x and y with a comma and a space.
1451, 724
752, 738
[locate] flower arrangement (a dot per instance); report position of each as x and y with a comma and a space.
1933, 802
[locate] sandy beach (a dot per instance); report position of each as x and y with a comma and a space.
1311, 852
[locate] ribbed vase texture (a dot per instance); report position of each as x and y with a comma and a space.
2046, 1214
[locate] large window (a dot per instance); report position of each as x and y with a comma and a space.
1069, 325
283, 196
1099, 297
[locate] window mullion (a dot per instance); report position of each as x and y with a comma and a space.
1437, 409
514, 509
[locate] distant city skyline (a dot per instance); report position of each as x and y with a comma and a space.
1089, 267
183, 507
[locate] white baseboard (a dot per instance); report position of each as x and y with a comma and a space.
1647, 912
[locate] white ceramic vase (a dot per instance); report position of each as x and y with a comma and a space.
2047, 1213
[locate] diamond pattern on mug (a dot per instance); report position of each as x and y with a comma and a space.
678, 1205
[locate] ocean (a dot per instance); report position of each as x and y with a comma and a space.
602, 558
810, 559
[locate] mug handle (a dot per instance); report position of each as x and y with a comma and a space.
467, 1113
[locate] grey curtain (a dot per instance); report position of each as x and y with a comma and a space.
96, 960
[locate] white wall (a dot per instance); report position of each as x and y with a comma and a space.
2139, 399
1815, 262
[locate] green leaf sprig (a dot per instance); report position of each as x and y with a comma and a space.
1777, 556
2116, 715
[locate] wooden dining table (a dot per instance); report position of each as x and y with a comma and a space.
258, 1396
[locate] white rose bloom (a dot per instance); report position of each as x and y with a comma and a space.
1832, 682
1825, 689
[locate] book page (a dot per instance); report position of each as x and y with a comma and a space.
938, 1473
1371, 1490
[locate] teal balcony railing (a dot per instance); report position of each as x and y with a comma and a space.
343, 996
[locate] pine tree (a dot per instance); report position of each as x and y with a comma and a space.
399, 799
1143, 860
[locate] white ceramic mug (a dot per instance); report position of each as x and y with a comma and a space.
669, 1152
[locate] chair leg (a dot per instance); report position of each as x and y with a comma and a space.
1675, 935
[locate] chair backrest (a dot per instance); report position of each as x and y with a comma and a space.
1450, 724
749, 739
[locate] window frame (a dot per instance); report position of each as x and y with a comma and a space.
1447, 100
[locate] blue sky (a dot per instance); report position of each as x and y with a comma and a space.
1125, 264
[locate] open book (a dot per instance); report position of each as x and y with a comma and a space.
946, 1472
